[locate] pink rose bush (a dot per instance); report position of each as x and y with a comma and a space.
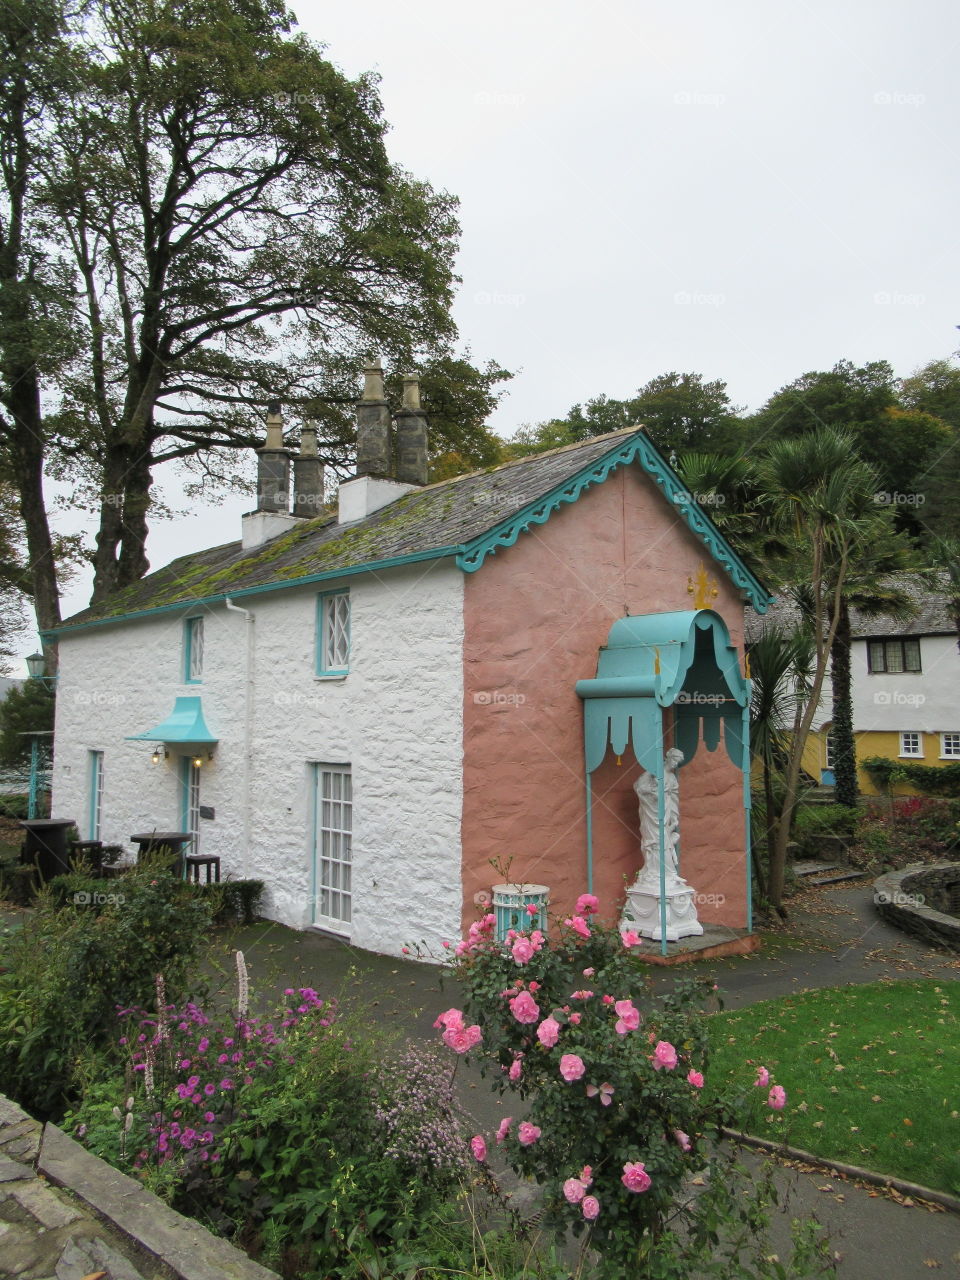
614, 1082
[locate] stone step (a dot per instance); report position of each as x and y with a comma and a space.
814, 868
840, 879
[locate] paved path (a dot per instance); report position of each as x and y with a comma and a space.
836, 938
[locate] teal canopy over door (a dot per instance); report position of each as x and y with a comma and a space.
682, 660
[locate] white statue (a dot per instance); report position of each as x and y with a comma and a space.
642, 912
646, 789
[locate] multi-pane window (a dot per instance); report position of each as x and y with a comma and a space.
828, 756
893, 655
193, 650
333, 858
911, 744
333, 633
190, 801
96, 794
950, 746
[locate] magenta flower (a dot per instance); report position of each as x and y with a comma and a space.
629, 1018
574, 1190
695, 1078
571, 1067
523, 950
630, 939
579, 926
590, 1207
478, 1147
516, 1068
452, 1020
548, 1032
664, 1056
683, 1141
587, 905
586, 1175
527, 1133
524, 1008
575, 1019
763, 1077
504, 1128
777, 1097
635, 1177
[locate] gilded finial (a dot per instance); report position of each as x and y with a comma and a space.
746, 665
656, 661
703, 587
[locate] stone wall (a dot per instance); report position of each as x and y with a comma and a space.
68, 1215
910, 899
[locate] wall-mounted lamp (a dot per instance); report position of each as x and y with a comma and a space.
197, 760
159, 753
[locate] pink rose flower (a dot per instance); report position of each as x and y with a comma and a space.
523, 950
588, 973
524, 1008
527, 1133
777, 1097
533, 986
683, 1140
590, 1207
630, 939
479, 1148
532, 909
574, 1190
462, 1040
763, 1077
629, 1018
516, 1068
575, 1018
504, 1128
451, 1020
571, 1067
548, 1032
587, 905
664, 1056
695, 1078
578, 925
635, 1177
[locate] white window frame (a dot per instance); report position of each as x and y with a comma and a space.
193, 650
909, 754
332, 853
95, 774
333, 633
828, 750
950, 745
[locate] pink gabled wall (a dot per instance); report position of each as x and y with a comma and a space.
535, 617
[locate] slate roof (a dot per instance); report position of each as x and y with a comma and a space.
932, 616
440, 519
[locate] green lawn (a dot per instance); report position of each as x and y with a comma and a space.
872, 1074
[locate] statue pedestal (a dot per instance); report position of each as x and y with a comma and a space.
642, 911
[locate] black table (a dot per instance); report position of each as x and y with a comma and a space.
175, 842
46, 845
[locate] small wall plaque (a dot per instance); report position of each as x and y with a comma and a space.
207, 811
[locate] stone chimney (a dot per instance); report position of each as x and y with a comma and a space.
307, 475
272, 516
373, 486
411, 425
374, 443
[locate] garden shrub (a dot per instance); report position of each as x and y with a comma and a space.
911, 829
65, 971
615, 1119
234, 901
305, 1138
14, 806
931, 780
814, 821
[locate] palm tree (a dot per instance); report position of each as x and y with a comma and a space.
780, 675
820, 500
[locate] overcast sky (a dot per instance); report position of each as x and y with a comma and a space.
744, 190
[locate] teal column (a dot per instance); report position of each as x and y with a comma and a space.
34, 792
589, 828
747, 804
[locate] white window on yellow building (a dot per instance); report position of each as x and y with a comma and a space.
911, 744
950, 746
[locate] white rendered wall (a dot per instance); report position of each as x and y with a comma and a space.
396, 719
927, 701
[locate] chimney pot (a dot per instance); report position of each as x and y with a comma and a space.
411, 392
373, 381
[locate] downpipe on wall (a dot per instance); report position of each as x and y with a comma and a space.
247, 731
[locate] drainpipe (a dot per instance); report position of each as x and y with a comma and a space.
247, 732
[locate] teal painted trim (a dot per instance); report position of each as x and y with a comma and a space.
181, 606
636, 448
319, 668
188, 629
747, 804
33, 795
314, 819
93, 781
589, 829
661, 823
185, 764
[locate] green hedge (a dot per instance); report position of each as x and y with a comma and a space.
931, 780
